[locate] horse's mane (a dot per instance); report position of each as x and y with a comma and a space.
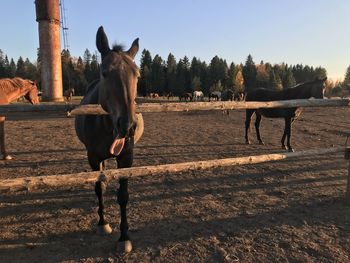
9, 85
118, 48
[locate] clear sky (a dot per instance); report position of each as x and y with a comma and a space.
309, 32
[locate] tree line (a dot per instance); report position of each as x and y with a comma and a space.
177, 77
164, 77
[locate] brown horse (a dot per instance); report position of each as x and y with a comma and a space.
113, 135
11, 90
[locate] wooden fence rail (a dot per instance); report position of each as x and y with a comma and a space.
72, 110
36, 182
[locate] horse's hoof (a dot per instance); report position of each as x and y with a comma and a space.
261, 143
284, 147
124, 246
247, 142
7, 157
104, 230
290, 150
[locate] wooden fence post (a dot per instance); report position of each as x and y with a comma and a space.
347, 157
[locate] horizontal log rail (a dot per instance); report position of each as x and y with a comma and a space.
72, 110
37, 182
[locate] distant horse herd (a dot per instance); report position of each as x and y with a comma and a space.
114, 135
226, 95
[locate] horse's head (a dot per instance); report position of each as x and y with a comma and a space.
118, 88
31, 92
318, 88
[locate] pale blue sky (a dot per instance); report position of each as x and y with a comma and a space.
312, 32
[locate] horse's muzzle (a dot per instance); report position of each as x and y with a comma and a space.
125, 127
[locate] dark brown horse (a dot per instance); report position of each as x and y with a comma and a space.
186, 96
113, 135
238, 96
215, 95
68, 94
227, 95
306, 90
11, 90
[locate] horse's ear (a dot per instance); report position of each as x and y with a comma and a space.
324, 79
134, 48
102, 41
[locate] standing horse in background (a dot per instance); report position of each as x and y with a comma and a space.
238, 96
11, 90
227, 95
68, 94
312, 89
169, 95
198, 95
186, 96
215, 95
113, 135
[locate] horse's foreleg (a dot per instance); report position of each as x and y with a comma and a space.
257, 127
123, 198
248, 117
284, 135
124, 161
3, 152
103, 227
288, 129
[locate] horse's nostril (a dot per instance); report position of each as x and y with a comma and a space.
104, 73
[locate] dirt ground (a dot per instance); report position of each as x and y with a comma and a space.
286, 211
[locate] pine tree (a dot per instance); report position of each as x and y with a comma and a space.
218, 71
204, 77
180, 78
170, 81
144, 83
346, 82
30, 70
2, 65
249, 74
231, 75
157, 75
289, 80
95, 69
196, 83
87, 56
13, 68
20, 71
275, 82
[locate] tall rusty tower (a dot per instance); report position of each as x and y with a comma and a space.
48, 17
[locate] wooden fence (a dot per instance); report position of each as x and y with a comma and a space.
72, 110
88, 177
35, 182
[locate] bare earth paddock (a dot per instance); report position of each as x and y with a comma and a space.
286, 211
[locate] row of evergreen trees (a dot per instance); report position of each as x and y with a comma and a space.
168, 76
176, 77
